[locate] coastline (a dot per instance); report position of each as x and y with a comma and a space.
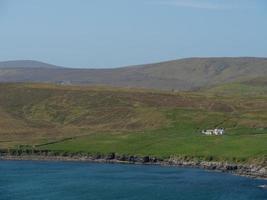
252, 171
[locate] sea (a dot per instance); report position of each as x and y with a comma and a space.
54, 180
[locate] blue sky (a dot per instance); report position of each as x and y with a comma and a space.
112, 33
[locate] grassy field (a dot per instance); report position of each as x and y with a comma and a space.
134, 122
253, 87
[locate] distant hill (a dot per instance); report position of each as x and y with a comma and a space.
183, 74
26, 64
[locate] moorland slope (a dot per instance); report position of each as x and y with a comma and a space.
183, 74
133, 122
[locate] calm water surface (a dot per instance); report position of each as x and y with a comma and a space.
30, 180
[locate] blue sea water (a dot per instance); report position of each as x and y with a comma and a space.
30, 180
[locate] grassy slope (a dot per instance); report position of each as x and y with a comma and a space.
104, 120
254, 87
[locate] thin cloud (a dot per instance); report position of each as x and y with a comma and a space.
199, 4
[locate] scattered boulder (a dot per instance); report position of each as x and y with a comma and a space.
131, 159
263, 171
146, 159
110, 156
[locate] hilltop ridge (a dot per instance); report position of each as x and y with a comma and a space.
182, 74
26, 64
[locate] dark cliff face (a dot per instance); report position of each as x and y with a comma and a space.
183, 74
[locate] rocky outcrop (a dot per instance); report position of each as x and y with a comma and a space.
256, 171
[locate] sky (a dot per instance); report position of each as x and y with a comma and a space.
114, 33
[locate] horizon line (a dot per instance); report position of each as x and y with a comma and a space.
134, 65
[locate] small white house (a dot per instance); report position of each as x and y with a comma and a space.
216, 131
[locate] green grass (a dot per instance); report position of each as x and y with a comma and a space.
133, 122
241, 89
182, 137
220, 148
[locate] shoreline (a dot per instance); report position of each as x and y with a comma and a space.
251, 171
